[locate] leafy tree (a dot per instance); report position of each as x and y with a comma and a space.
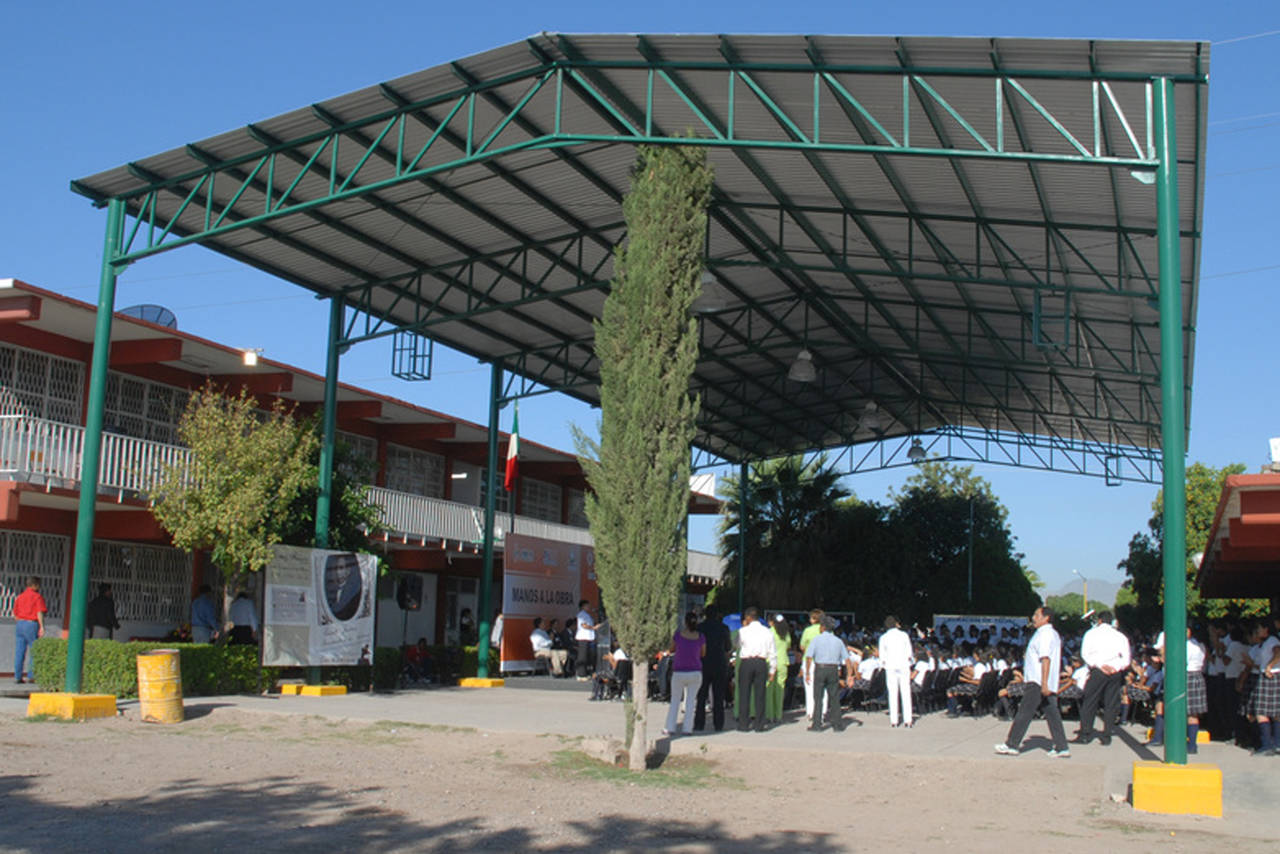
1204, 489
1033, 578
353, 519
246, 469
638, 471
791, 512
1073, 603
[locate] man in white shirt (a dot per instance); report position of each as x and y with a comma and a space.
1105, 651
757, 662
895, 658
244, 619
585, 637
1042, 671
541, 642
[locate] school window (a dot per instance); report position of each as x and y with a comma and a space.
540, 500
40, 385
416, 472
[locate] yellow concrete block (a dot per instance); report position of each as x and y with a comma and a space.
291, 689
1177, 789
71, 706
477, 682
1202, 737
322, 690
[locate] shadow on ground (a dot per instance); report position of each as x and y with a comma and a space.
277, 813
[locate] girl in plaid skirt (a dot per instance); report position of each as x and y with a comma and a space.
1261, 697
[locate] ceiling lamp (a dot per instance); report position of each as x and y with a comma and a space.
802, 369
711, 299
870, 419
916, 452
250, 357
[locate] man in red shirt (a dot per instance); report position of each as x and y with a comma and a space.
28, 610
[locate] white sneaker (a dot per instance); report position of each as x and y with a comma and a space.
1060, 754
1005, 750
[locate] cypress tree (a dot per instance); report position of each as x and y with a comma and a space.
638, 471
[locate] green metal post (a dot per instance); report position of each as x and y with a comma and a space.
324, 495
92, 454
1174, 436
743, 486
329, 424
483, 621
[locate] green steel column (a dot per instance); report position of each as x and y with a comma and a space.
484, 623
324, 495
742, 535
92, 454
1174, 449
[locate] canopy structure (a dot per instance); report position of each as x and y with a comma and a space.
966, 248
1242, 559
961, 232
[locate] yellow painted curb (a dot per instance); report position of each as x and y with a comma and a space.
323, 690
477, 682
1177, 789
291, 689
1202, 737
71, 706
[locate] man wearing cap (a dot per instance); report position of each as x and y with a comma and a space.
822, 660
757, 661
1105, 651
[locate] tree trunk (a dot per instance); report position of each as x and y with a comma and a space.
640, 711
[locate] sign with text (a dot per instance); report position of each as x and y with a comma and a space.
319, 608
541, 578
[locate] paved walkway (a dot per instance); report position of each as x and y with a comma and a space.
539, 705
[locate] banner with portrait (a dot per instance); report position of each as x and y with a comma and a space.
318, 608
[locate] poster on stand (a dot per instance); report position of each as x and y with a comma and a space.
318, 608
541, 578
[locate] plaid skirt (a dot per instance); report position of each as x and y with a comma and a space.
1137, 695
1264, 699
1015, 689
963, 689
1197, 696
1071, 692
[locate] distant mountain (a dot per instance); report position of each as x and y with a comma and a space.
1099, 590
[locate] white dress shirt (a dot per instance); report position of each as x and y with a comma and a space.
895, 650
755, 640
1045, 643
540, 639
1105, 645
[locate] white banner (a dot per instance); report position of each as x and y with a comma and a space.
319, 608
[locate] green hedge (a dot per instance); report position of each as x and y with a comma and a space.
111, 668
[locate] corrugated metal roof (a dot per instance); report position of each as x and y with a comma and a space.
935, 287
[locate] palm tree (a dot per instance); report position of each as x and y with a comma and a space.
790, 508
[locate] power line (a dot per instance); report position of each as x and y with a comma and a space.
1242, 272
1248, 37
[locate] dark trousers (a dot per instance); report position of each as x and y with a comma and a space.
1033, 702
753, 673
826, 679
1104, 689
716, 684
583, 657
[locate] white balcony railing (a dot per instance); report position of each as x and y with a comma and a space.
36, 450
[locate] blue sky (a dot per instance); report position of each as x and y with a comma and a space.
87, 89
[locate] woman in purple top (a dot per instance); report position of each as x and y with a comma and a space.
688, 646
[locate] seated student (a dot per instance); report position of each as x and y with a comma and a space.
924, 663
417, 661
967, 685
1074, 677
615, 679
544, 647
1005, 696
867, 668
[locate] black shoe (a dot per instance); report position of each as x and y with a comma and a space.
1104, 740
840, 727
1082, 738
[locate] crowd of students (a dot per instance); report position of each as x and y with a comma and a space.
764, 667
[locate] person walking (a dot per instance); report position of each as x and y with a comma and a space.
584, 639
688, 647
757, 662
204, 621
822, 661
776, 691
1041, 673
895, 658
1106, 653
715, 670
29, 609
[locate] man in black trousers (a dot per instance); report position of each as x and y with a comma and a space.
715, 671
1105, 651
757, 662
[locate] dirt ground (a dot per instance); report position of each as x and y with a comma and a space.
227, 780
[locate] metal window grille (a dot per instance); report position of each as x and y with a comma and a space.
502, 501
40, 385
42, 555
577, 508
418, 472
540, 500
143, 409
364, 450
151, 584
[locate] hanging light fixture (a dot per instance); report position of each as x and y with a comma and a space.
916, 452
802, 369
870, 419
711, 299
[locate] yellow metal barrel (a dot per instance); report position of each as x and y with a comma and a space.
160, 686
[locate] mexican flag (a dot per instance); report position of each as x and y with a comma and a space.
513, 453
